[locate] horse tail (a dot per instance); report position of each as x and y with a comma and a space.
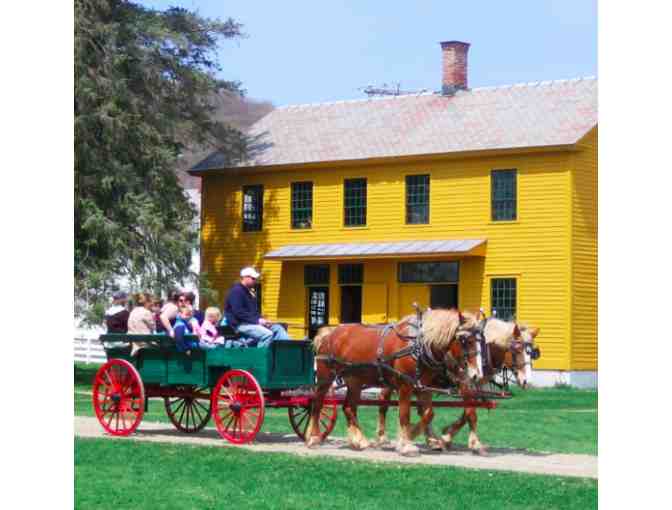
321, 336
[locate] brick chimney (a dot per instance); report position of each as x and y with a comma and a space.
454, 57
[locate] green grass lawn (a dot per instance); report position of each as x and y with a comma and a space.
129, 474
561, 420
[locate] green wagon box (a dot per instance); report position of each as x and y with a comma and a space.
284, 364
231, 385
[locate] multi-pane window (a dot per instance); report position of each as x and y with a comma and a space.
350, 273
253, 207
503, 298
302, 204
316, 274
355, 202
429, 272
417, 199
503, 195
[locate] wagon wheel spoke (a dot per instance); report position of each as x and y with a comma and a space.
179, 407
231, 418
183, 409
203, 408
198, 413
194, 412
304, 418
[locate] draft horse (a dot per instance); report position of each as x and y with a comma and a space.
403, 356
509, 347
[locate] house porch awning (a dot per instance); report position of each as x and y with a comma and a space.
399, 249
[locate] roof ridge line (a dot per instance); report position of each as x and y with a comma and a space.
341, 101
429, 93
534, 83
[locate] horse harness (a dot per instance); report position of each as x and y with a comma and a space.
417, 349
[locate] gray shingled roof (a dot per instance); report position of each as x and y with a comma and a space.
538, 114
375, 249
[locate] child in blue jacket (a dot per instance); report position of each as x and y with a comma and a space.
184, 325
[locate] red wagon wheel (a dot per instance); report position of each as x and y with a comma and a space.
118, 397
189, 411
238, 406
299, 418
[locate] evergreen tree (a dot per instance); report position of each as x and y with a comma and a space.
145, 90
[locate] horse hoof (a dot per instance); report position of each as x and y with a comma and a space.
482, 451
435, 444
447, 441
313, 442
408, 450
380, 442
360, 445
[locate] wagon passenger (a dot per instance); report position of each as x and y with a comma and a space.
141, 320
116, 317
190, 298
184, 325
209, 339
242, 313
169, 313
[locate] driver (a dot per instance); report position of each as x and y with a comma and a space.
242, 312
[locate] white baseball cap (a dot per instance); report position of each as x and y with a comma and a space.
249, 271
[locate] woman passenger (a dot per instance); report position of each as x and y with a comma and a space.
169, 313
141, 320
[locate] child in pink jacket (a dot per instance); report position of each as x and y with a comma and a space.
209, 338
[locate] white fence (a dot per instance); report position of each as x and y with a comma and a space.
87, 347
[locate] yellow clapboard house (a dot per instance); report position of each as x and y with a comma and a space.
483, 197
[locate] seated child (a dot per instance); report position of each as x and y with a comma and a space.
209, 339
184, 325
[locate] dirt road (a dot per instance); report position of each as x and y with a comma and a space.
498, 458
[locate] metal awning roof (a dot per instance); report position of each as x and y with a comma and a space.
400, 249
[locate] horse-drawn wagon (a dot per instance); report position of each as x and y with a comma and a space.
233, 386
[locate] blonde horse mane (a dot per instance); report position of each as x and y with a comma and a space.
439, 327
499, 332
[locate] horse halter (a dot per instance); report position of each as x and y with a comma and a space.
517, 347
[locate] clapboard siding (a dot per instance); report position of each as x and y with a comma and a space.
535, 248
584, 260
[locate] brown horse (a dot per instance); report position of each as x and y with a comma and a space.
509, 345
352, 351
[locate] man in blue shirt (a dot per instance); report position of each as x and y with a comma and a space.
242, 312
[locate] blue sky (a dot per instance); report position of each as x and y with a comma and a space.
315, 51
